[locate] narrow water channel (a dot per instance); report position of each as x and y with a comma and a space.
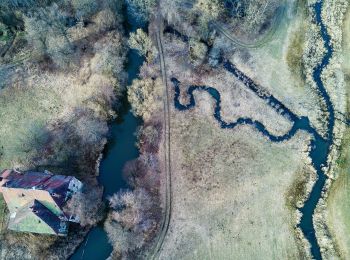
320, 146
121, 148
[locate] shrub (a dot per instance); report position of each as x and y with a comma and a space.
142, 9
144, 172
110, 53
46, 31
105, 20
198, 51
149, 137
86, 205
211, 9
132, 220
145, 96
85, 8
141, 42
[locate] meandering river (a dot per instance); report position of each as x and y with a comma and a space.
121, 146
320, 146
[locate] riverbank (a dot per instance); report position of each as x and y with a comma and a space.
134, 218
56, 107
201, 172
198, 77
119, 149
330, 210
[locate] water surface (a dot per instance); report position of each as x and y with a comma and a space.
121, 148
320, 146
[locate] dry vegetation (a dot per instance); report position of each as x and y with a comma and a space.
338, 211
230, 192
255, 186
280, 65
333, 211
245, 102
247, 20
142, 9
239, 170
135, 215
235, 194
69, 62
145, 96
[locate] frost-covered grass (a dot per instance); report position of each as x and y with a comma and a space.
230, 192
338, 203
236, 99
277, 65
29, 112
234, 193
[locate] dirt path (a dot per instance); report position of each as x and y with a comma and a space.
167, 161
318, 153
267, 38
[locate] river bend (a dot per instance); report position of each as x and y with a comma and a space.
319, 147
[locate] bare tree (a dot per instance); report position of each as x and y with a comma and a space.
145, 96
85, 8
141, 42
142, 8
47, 32
86, 206
131, 221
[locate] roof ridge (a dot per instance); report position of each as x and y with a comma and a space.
51, 225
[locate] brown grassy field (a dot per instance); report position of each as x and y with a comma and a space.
230, 192
234, 193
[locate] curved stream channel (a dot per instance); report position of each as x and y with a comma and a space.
120, 149
320, 146
121, 146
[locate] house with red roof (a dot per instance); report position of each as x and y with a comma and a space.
35, 201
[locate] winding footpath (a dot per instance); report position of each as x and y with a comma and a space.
279, 15
320, 147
